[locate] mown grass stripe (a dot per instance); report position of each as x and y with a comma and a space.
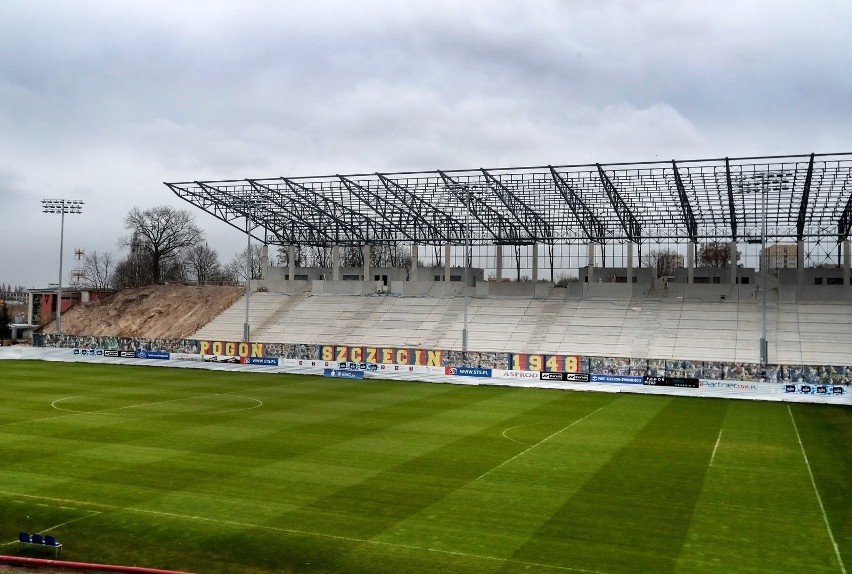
633, 515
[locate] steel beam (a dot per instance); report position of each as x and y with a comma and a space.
626, 218
685, 207
803, 207
592, 226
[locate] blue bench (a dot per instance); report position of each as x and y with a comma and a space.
37, 540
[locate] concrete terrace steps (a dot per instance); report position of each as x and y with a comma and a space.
641, 328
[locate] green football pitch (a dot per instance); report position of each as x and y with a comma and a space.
217, 472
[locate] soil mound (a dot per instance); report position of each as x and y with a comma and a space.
153, 312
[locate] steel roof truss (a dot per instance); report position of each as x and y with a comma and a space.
532, 222
592, 226
441, 224
803, 207
686, 208
628, 221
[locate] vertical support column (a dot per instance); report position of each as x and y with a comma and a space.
335, 263
847, 256
535, 262
366, 252
690, 262
629, 246
499, 261
412, 274
800, 262
447, 249
732, 249
30, 298
291, 262
590, 262
264, 262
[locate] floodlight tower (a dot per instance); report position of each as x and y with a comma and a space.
61, 206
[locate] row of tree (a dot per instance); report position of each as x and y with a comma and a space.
164, 245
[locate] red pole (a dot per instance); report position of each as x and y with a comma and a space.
20, 560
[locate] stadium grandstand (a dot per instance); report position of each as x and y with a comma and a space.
730, 259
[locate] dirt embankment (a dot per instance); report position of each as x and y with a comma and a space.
153, 312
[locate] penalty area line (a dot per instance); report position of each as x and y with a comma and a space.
715, 448
542, 441
816, 491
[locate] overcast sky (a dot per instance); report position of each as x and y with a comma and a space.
103, 101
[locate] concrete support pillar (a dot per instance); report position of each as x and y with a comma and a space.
591, 262
366, 251
535, 262
800, 262
629, 246
499, 261
335, 263
447, 250
690, 262
412, 274
264, 261
733, 255
291, 262
847, 256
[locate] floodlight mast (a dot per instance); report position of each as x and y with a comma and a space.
61, 206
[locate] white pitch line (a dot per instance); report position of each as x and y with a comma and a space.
303, 532
78, 413
513, 440
715, 448
816, 491
94, 513
545, 439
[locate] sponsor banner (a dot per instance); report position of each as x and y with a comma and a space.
570, 377
358, 366
231, 349
111, 353
127, 354
219, 359
468, 372
307, 363
516, 375
143, 354
805, 389
622, 379
547, 363
729, 385
186, 357
269, 361
686, 382
89, 352
338, 374
381, 355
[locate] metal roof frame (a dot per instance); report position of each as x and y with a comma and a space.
675, 200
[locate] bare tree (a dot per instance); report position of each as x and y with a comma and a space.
320, 256
664, 261
98, 270
283, 258
135, 269
235, 271
162, 233
202, 264
715, 254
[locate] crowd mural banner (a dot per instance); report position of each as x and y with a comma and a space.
381, 355
94, 347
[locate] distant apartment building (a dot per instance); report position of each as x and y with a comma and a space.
781, 256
